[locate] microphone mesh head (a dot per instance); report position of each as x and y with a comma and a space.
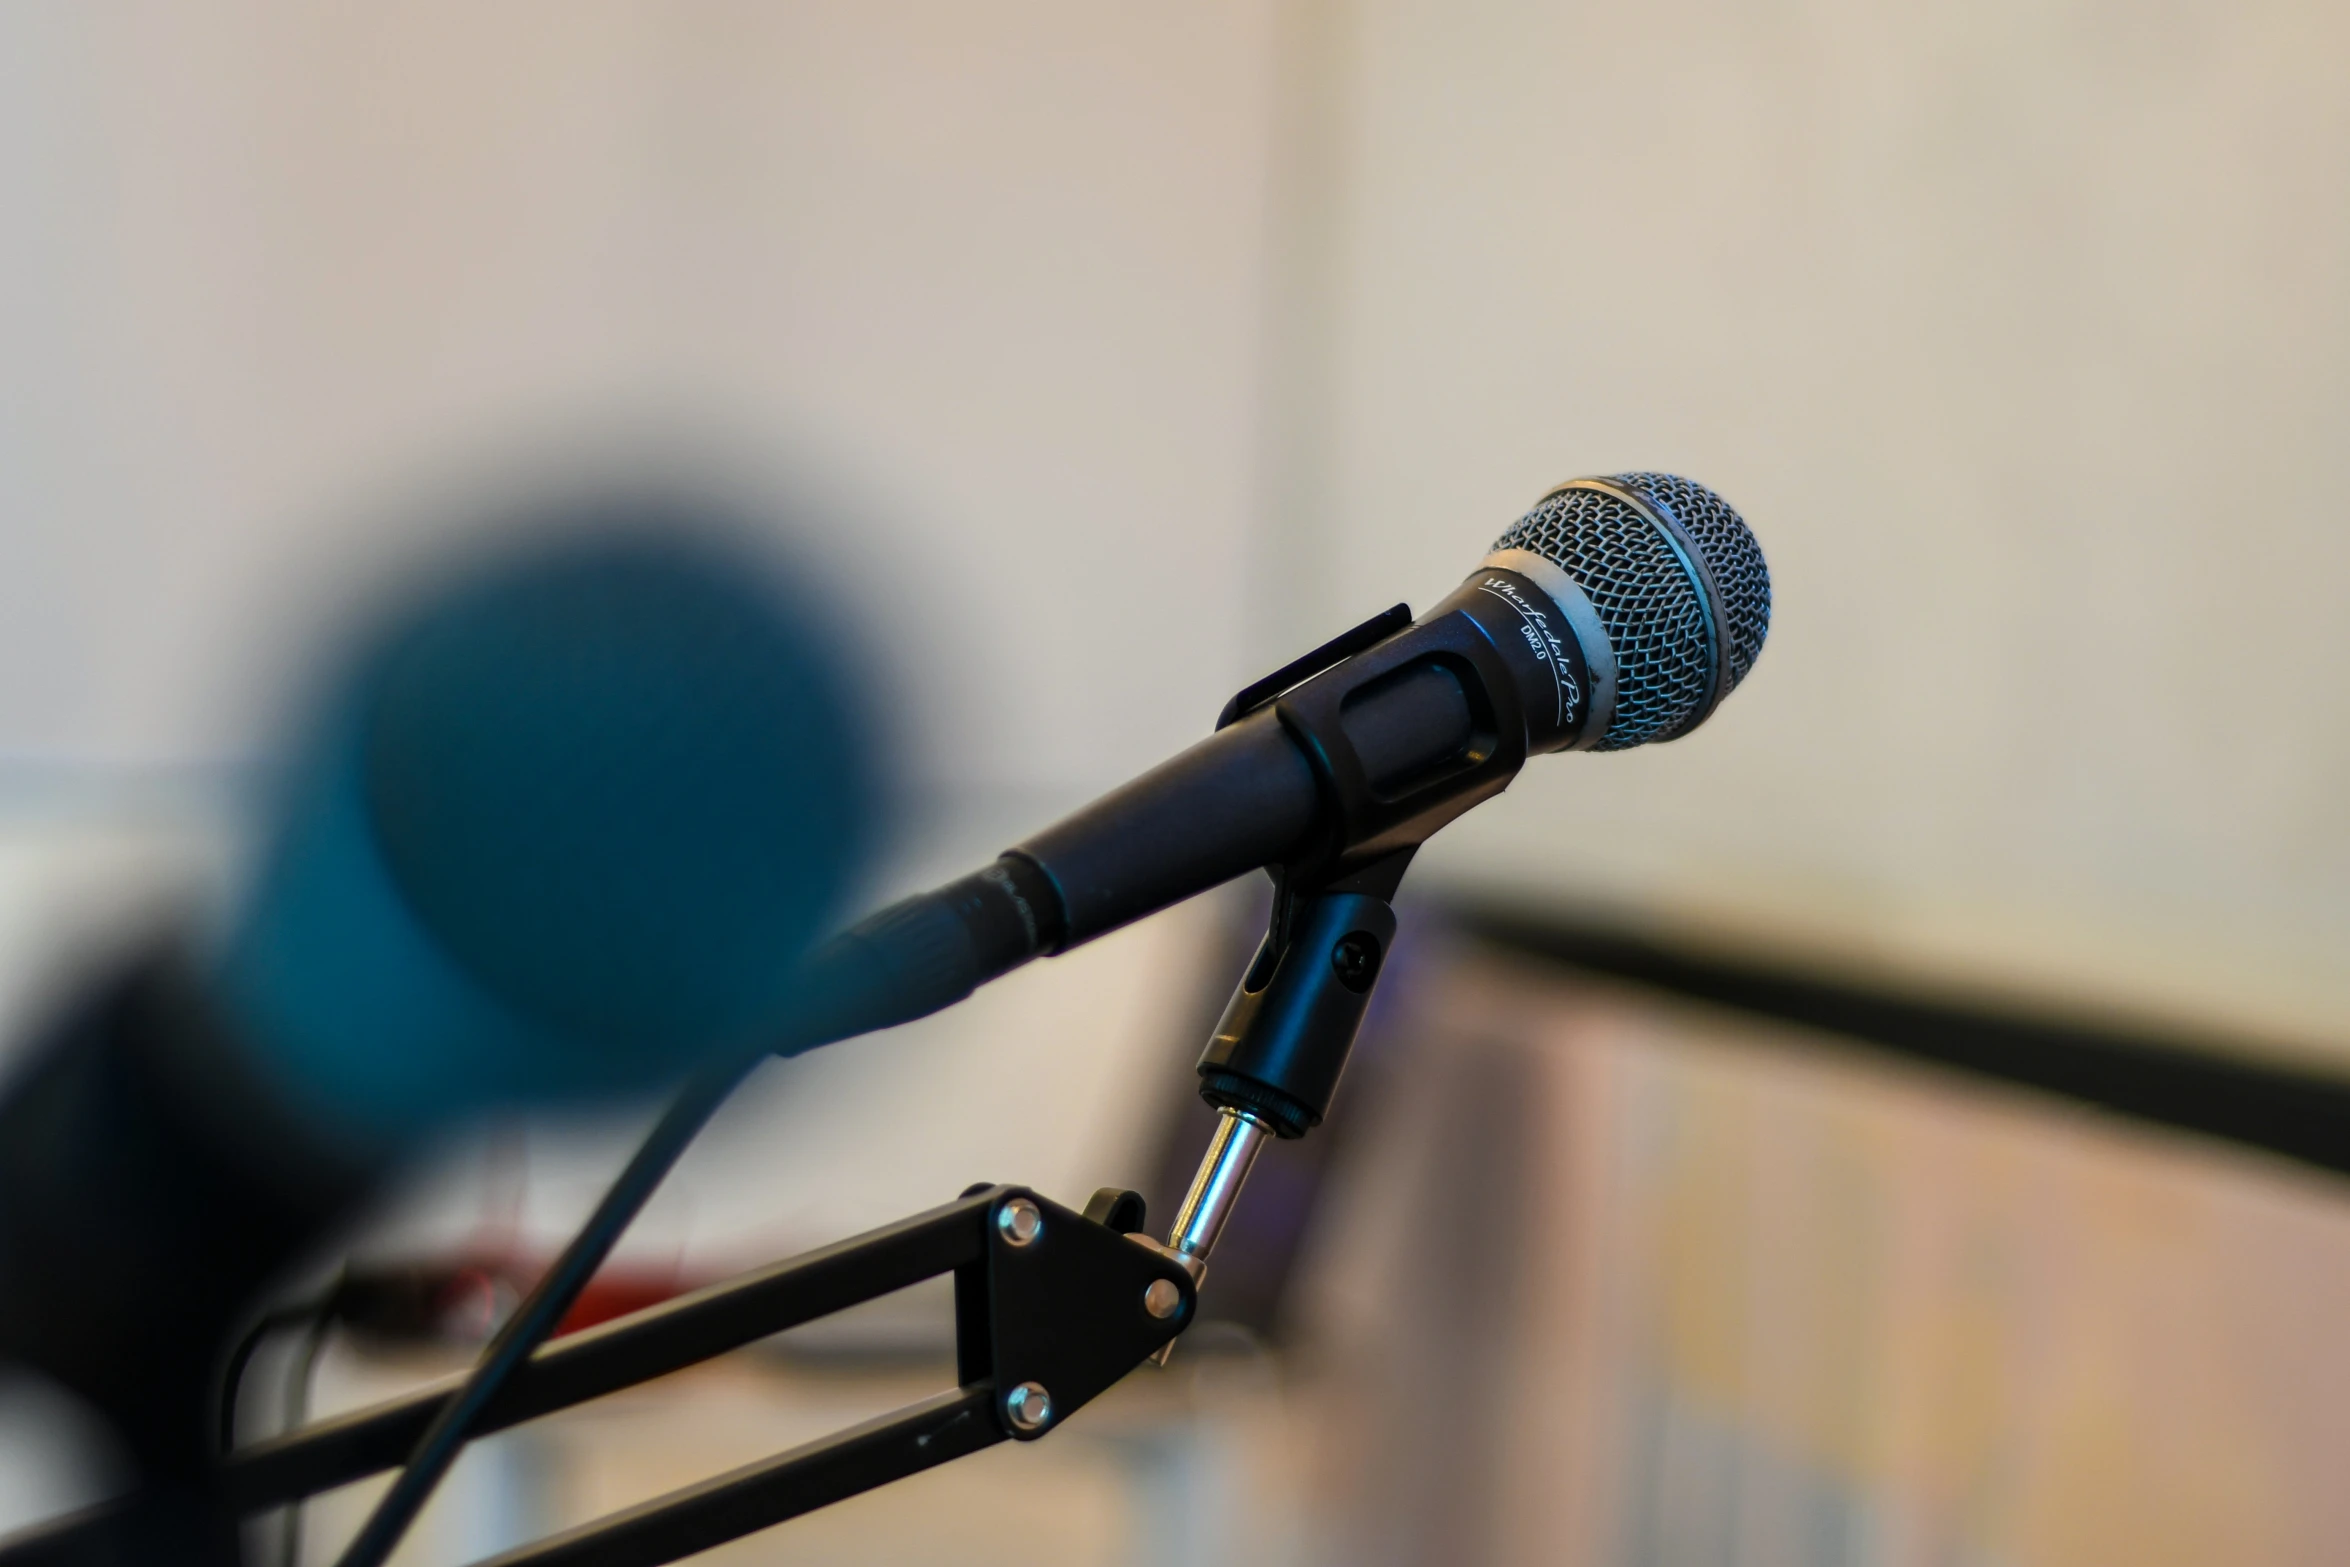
1681, 643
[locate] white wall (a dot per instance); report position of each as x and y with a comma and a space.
2018, 332
985, 277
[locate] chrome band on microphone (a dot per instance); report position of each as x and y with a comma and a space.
1574, 606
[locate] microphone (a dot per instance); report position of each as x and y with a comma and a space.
555, 833
1618, 612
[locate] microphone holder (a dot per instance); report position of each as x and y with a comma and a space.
1274, 1060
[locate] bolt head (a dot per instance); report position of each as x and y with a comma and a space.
1355, 960
1162, 1299
1028, 1406
1019, 1221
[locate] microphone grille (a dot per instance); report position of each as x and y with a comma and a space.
1679, 585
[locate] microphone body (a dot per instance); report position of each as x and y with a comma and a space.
1618, 612
1412, 726
1355, 762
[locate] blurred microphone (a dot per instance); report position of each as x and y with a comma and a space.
1618, 612
557, 833
561, 836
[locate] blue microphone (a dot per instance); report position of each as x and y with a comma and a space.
558, 835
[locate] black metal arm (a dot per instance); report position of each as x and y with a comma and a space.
1051, 1308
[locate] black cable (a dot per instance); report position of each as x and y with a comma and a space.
240, 1359
299, 1377
319, 1314
536, 1318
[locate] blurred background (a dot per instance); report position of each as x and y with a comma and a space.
1117, 352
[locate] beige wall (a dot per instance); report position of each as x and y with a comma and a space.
986, 279
1131, 346
1151, 343
2019, 332
1145, 344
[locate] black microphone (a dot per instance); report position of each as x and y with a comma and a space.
1617, 612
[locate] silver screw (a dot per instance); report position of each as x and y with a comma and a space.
1162, 1299
1029, 1406
1021, 1222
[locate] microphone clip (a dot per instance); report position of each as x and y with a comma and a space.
1283, 1041
1407, 725
1298, 671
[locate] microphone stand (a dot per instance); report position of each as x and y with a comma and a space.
1052, 1305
